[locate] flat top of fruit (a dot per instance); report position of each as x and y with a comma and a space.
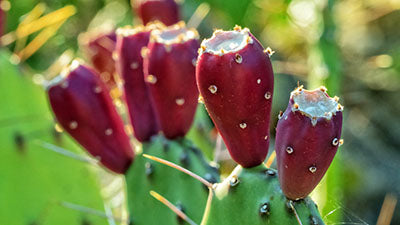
64, 73
177, 33
223, 42
132, 30
315, 103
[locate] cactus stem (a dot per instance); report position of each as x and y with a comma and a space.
175, 209
173, 165
270, 159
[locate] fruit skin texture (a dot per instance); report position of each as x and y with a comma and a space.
239, 108
242, 202
99, 50
82, 105
312, 147
174, 92
165, 11
137, 96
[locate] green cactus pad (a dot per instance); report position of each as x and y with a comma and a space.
253, 197
35, 183
180, 189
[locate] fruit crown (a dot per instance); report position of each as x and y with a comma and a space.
315, 103
223, 42
177, 33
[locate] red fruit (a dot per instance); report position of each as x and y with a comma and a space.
82, 105
130, 66
235, 79
165, 11
169, 69
99, 49
307, 138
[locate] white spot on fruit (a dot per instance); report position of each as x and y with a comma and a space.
243, 125
115, 56
289, 150
312, 169
97, 89
73, 125
335, 142
267, 95
144, 52
180, 101
134, 65
108, 131
213, 89
258, 81
238, 58
151, 79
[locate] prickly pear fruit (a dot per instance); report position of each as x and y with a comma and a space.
182, 190
235, 80
169, 68
165, 11
82, 105
307, 138
99, 48
252, 196
130, 42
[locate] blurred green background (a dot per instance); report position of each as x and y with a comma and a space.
350, 46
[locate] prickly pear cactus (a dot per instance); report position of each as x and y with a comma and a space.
235, 80
182, 190
253, 196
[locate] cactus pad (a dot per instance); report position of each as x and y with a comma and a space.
252, 196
